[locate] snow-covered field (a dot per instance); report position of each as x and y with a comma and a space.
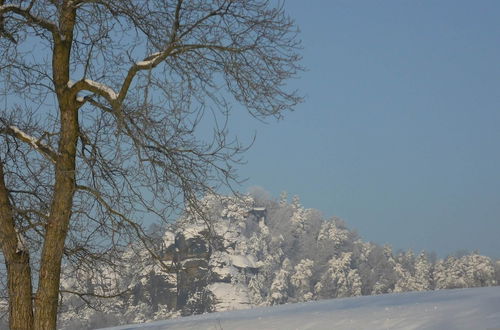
477, 308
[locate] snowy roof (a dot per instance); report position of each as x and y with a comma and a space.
243, 261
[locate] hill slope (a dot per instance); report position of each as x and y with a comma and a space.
475, 308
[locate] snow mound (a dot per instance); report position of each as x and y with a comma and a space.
230, 297
476, 308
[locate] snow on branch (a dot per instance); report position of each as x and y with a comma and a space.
44, 149
22, 246
149, 61
116, 99
95, 87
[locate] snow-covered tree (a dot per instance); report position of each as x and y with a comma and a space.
283, 199
334, 233
423, 273
377, 270
296, 202
468, 271
449, 274
496, 266
340, 279
479, 270
299, 220
280, 287
301, 280
257, 289
405, 280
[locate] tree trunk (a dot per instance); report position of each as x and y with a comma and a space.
47, 297
17, 263
20, 291
57, 226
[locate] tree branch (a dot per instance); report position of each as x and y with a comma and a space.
135, 226
41, 22
87, 294
95, 87
34, 142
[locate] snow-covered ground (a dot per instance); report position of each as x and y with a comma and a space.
477, 308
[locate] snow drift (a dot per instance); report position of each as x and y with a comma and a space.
476, 308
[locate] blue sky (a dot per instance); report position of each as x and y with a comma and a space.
400, 131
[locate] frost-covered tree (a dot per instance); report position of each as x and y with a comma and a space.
468, 271
257, 288
377, 270
296, 202
405, 280
479, 270
280, 287
423, 273
301, 280
405, 272
448, 274
335, 234
413, 273
340, 279
283, 199
299, 220
496, 266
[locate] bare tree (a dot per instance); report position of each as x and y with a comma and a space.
101, 105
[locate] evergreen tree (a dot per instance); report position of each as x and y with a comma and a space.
280, 287
340, 280
449, 274
405, 280
479, 270
423, 273
283, 199
301, 280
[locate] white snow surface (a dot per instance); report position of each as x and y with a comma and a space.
230, 296
477, 308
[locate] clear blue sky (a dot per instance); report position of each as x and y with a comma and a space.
400, 131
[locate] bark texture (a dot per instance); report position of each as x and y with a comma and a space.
17, 262
47, 296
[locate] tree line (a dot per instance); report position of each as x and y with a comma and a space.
260, 251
